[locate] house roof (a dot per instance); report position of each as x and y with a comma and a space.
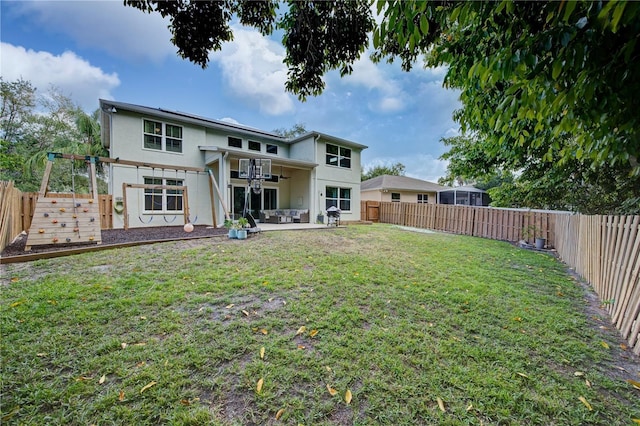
468, 188
113, 106
400, 183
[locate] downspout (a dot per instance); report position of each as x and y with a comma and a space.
224, 180
316, 194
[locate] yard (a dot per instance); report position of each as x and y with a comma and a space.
358, 325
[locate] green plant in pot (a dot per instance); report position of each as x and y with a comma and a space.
231, 227
242, 228
534, 234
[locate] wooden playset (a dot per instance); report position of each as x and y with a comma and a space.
65, 220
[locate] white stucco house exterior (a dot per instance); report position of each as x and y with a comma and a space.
310, 173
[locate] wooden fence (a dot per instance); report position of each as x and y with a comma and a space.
497, 224
10, 218
18, 207
604, 250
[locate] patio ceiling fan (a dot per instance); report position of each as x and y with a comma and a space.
282, 176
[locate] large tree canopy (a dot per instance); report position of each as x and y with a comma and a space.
32, 125
541, 81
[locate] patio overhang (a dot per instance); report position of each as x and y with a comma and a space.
275, 160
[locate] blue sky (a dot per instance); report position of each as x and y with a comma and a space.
102, 49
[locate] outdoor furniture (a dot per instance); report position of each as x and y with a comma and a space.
284, 216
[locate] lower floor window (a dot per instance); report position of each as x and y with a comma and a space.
423, 198
338, 197
163, 200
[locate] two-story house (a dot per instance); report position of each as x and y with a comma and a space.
311, 172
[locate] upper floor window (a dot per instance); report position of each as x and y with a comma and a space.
423, 198
272, 149
235, 142
395, 197
254, 146
162, 136
338, 156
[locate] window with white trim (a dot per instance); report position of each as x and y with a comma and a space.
162, 136
395, 197
338, 156
423, 198
158, 200
338, 197
255, 146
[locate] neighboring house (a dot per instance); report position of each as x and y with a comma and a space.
464, 195
310, 173
399, 189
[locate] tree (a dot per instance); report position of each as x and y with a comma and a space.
396, 169
298, 129
318, 35
570, 185
540, 82
32, 125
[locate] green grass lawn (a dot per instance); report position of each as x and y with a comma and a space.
418, 329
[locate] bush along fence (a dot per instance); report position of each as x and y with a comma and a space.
604, 250
18, 207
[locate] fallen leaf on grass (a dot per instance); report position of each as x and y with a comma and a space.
8, 416
313, 333
523, 375
586, 403
623, 346
578, 373
279, 413
328, 368
470, 407
147, 386
636, 421
348, 396
441, 404
604, 345
229, 306
587, 382
123, 345
634, 383
18, 303
302, 347
331, 390
15, 279
301, 330
262, 352
187, 402
121, 396
264, 331
259, 385
102, 379
84, 378
245, 312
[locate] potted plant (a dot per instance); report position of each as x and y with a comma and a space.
242, 228
533, 233
233, 231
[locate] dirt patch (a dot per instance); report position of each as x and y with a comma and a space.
119, 236
626, 363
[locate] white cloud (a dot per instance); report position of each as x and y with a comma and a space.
122, 31
372, 76
252, 66
229, 120
74, 76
